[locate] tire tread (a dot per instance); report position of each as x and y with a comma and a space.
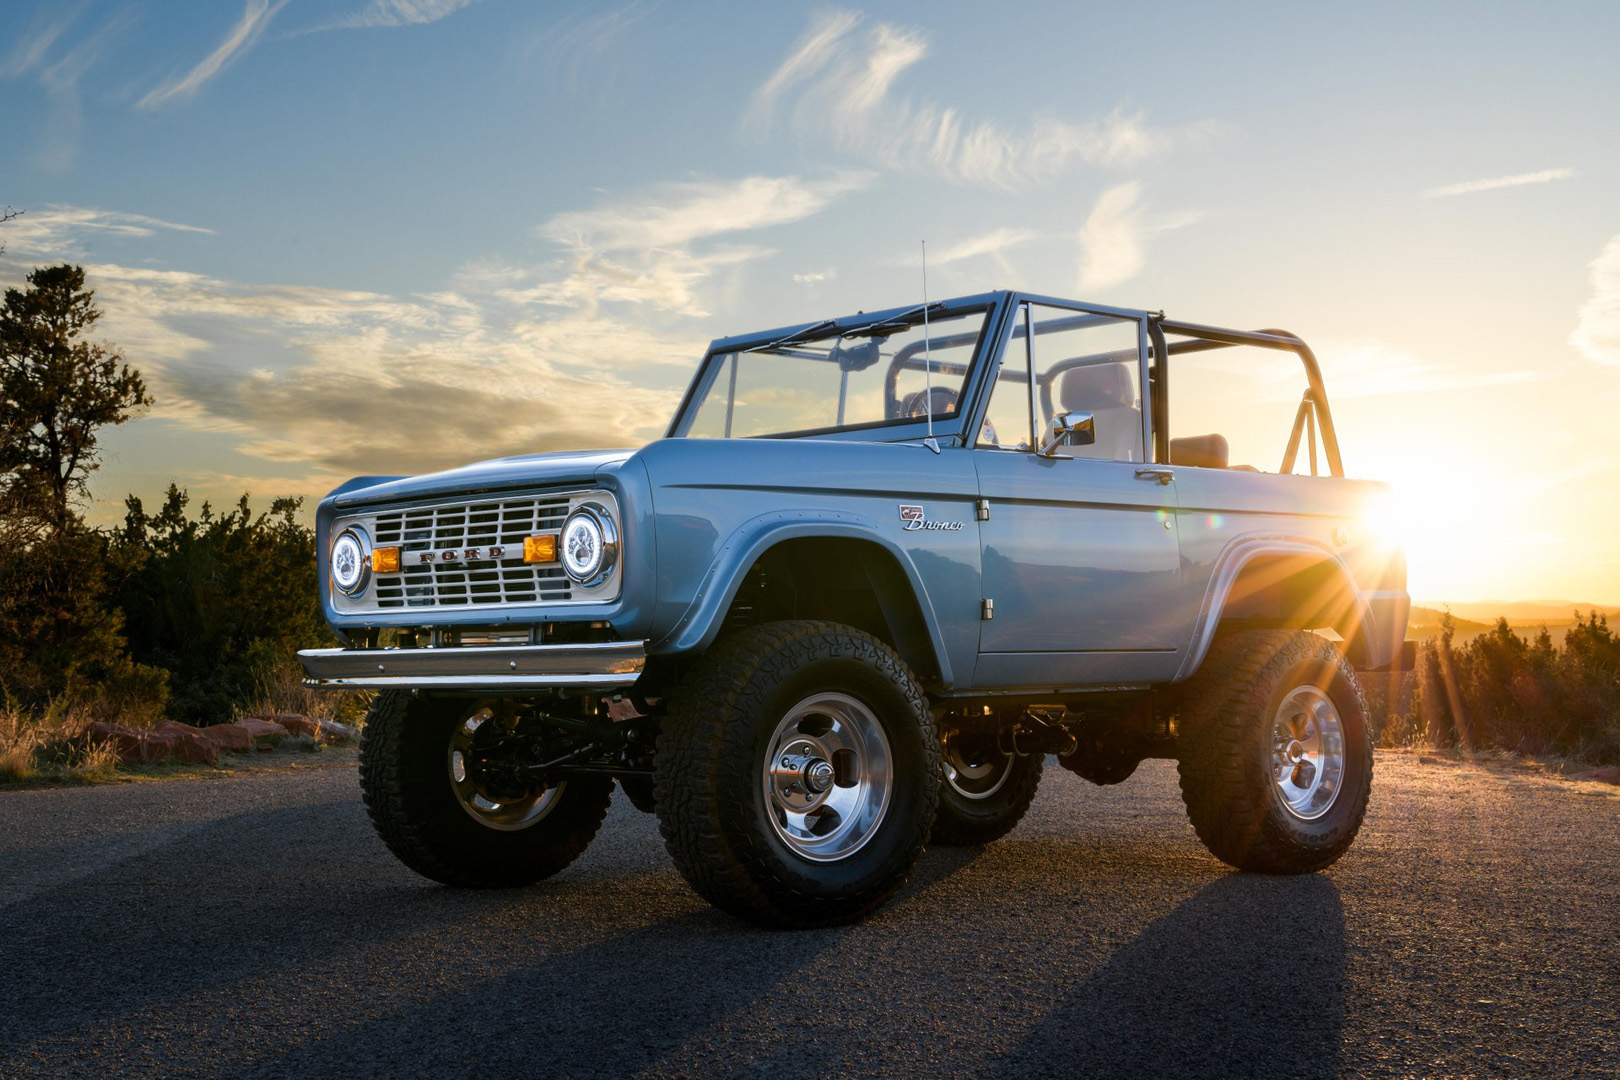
732, 867
1224, 782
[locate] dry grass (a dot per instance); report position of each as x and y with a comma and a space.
51, 745
280, 689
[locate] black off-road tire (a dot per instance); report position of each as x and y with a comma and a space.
1225, 760
405, 778
964, 821
708, 774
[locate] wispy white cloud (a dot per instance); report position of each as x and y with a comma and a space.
255, 17
990, 243
666, 279
380, 13
57, 231
59, 73
1468, 187
1597, 327
577, 51
641, 250
816, 277
35, 43
839, 84
816, 48
1113, 241
675, 214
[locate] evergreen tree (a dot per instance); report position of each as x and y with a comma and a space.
57, 390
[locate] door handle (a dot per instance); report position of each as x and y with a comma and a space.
1163, 476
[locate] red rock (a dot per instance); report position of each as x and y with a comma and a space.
127, 744
100, 732
1609, 774
228, 736
295, 723
315, 727
189, 743
160, 746
130, 744
260, 729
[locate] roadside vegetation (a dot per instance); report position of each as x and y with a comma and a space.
1505, 691
182, 615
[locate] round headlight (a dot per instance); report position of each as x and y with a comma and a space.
350, 563
590, 544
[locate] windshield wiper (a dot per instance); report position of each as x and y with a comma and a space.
898, 322
797, 337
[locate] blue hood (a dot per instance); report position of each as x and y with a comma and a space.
500, 474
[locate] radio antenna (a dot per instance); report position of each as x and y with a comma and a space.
928, 362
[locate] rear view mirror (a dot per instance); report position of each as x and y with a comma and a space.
856, 357
1077, 427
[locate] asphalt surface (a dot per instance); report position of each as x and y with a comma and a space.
255, 926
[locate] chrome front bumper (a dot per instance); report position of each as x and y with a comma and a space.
604, 666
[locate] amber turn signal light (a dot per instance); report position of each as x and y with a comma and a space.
539, 549
385, 560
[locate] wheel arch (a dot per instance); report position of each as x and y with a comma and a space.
841, 569
1284, 582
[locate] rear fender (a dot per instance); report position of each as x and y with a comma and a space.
1251, 564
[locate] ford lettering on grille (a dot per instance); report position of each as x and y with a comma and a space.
492, 553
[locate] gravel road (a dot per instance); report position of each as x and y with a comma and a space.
255, 926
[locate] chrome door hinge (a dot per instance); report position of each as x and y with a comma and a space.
983, 510
987, 609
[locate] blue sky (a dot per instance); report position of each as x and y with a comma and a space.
344, 236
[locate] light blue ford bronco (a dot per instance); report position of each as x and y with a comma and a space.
880, 570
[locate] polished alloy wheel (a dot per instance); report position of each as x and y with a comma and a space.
828, 777
506, 811
1307, 752
975, 766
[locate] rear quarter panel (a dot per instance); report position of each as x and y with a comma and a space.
1224, 513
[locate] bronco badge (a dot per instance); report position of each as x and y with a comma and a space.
916, 520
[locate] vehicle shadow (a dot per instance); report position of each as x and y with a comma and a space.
1245, 979
288, 942
616, 1007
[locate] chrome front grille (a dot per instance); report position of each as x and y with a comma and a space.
498, 522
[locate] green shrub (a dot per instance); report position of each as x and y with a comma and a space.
1502, 691
215, 598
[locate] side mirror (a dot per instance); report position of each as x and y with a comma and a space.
1078, 427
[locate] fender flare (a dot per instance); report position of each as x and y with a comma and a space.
700, 623
1229, 566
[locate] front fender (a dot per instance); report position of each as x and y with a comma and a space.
700, 623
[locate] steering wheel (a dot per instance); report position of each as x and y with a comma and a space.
936, 400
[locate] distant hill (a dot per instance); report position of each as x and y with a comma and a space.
1518, 612
1474, 618
1425, 624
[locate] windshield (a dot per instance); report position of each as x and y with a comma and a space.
820, 380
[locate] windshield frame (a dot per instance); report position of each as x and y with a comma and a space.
992, 305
